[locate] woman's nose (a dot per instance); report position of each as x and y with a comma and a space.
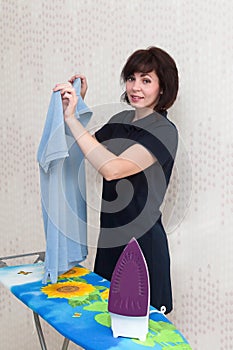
136, 85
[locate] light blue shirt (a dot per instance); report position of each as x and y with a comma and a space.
63, 189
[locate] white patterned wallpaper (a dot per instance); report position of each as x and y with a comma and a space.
45, 42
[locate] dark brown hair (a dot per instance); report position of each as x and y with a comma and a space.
154, 59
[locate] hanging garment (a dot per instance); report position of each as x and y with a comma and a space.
63, 193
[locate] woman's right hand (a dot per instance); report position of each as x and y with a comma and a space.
83, 83
69, 99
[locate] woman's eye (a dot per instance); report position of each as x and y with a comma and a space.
146, 81
130, 78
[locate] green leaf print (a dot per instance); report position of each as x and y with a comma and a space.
160, 326
178, 347
97, 306
166, 336
101, 287
79, 301
104, 319
148, 342
73, 279
78, 279
94, 296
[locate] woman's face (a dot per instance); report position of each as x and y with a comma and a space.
143, 90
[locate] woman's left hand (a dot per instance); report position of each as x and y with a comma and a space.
83, 83
69, 99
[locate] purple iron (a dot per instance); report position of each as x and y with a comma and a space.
129, 296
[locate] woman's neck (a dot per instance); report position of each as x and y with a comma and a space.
142, 113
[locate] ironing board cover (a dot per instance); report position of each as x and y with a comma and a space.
77, 307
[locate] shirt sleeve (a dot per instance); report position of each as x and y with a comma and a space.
109, 130
162, 142
104, 133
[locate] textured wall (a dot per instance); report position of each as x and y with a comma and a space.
45, 42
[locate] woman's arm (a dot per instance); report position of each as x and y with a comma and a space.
133, 160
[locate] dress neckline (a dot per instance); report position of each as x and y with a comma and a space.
147, 118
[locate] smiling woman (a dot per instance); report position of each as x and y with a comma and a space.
155, 65
134, 152
143, 92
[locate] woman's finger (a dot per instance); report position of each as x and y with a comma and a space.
76, 76
67, 89
84, 86
62, 86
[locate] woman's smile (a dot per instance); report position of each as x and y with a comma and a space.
135, 98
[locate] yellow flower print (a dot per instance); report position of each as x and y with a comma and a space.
105, 294
75, 272
67, 289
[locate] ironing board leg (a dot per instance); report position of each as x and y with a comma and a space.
39, 331
65, 344
41, 335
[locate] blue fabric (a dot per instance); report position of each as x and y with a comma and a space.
63, 194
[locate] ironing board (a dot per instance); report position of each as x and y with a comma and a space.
77, 307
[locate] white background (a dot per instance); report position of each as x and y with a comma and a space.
45, 42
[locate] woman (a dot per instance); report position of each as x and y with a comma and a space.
134, 152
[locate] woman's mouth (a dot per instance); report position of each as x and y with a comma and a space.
135, 98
